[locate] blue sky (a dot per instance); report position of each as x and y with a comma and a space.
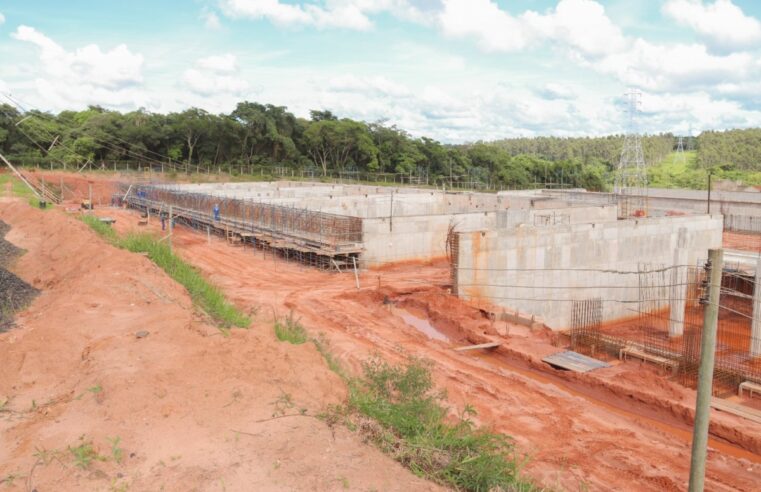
455, 70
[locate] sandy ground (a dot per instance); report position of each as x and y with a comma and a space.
185, 402
622, 428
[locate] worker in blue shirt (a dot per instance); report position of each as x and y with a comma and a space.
216, 212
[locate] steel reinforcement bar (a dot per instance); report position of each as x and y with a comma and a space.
319, 232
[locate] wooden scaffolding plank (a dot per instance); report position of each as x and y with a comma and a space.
740, 410
489, 345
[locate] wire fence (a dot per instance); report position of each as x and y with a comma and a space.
667, 325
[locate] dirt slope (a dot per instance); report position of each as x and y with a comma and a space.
624, 428
183, 400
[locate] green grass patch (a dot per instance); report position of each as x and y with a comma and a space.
209, 297
84, 454
104, 230
289, 330
415, 430
677, 172
399, 410
19, 189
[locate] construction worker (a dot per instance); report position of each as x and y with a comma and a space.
216, 212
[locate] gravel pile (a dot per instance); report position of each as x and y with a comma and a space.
8, 252
14, 292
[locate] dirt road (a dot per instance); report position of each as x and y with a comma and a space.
623, 428
181, 407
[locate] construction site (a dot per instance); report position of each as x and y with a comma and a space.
571, 321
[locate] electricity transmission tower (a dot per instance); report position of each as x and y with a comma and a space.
630, 185
681, 158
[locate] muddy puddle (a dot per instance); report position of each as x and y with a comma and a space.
420, 323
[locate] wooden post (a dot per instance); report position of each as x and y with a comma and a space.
208, 234
705, 373
89, 194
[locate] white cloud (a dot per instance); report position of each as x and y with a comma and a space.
678, 67
379, 86
722, 24
215, 75
87, 75
2, 18
219, 63
554, 90
493, 28
581, 29
343, 15
210, 19
346, 14
578, 24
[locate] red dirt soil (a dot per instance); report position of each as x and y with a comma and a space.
185, 401
622, 428
741, 241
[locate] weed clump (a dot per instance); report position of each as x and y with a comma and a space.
84, 454
290, 330
410, 422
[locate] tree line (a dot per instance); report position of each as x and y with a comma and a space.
259, 136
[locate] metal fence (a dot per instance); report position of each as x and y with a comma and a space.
668, 324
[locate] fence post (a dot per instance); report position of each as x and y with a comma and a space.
705, 372
171, 228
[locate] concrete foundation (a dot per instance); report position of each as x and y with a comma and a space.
398, 224
543, 270
534, 252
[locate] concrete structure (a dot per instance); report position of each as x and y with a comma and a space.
661, 201
393, 224
534, 251
542, 270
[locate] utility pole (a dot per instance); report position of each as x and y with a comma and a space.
709, 192
705, 372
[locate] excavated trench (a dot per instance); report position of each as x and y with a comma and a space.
504, 359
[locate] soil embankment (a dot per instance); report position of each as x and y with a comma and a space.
182, 407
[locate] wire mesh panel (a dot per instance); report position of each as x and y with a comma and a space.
453, 252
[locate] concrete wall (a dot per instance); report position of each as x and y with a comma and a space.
366, 201
662, 201
541, 270
420, 237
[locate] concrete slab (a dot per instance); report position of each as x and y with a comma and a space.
574, 361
